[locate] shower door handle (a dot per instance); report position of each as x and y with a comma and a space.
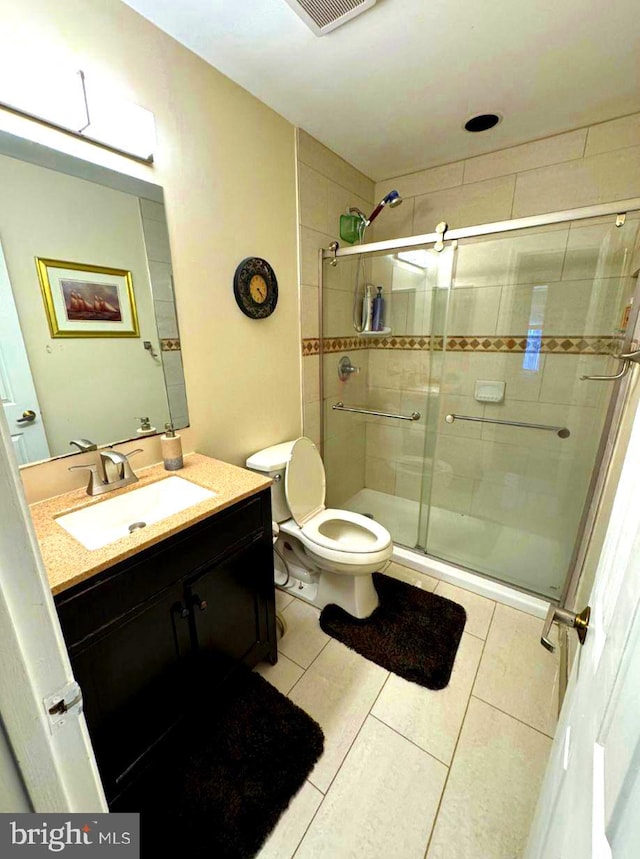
627, 359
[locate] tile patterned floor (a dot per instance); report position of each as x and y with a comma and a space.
412, 773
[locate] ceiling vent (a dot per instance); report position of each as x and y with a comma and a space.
322, 16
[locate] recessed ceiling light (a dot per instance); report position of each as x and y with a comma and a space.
482, 122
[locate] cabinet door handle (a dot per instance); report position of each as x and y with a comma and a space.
198, 603
180, 609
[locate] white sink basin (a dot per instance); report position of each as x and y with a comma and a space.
107, 521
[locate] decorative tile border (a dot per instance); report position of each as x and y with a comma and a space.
560, 345
170, 344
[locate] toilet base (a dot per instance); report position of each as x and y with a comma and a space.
355, 594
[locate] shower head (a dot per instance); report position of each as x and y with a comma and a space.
392, 199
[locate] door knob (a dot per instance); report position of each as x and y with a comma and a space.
199, 603
28, 417
579, 622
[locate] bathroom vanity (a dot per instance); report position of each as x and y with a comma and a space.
165, 615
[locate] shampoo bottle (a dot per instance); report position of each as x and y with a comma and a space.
171, 449
367, 308
378, 311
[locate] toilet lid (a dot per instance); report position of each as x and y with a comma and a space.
304, 482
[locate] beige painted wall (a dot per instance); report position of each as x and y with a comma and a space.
87, 388
227, 165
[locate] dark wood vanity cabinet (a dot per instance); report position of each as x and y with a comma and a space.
153, 635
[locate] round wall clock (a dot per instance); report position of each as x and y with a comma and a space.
255, 288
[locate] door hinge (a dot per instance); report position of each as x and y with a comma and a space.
579, 622
66, 702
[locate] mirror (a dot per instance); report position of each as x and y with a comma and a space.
89, 340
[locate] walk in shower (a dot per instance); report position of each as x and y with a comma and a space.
491, 426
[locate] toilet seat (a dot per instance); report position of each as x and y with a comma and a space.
342, 530
337, 535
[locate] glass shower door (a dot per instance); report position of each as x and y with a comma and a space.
378, 465
529, 314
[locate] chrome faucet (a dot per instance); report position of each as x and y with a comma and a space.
116, 471
84, 444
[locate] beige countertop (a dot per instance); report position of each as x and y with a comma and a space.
67, 562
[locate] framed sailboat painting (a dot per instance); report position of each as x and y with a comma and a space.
84, 300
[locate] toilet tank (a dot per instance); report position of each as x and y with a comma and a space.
272, 461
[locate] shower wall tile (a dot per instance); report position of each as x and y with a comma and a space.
343, 424
452, 493
424, 181
378, 362
341, 451
385, 442
579, 419
166, 320
464, 369
567, 307
477, 203
178, 409
322, 159
594, 251
615, 134
405, 370
409, 480
344, 485
497, 461
309, 323
152, 211
172, 366
384, 400
311, 421
313, 190
580, 167
505, 503
454, 404
515, 159
380, 474
532, 258
393, 223
161, 281
311, 379
328, 185
474, 311
561, 381
338, 310
156, 239
310, 243
597, 179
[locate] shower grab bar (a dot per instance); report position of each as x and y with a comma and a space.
340, 407
563, 432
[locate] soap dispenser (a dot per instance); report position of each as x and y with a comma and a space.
171, 449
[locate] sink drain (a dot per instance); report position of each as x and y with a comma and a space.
136, 525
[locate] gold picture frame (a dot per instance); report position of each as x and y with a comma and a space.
83, 300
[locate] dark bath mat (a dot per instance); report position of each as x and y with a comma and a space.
413, 633
221, 786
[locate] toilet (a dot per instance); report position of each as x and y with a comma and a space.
329, 555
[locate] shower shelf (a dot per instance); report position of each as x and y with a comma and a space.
384, 333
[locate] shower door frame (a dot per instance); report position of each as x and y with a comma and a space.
602, 460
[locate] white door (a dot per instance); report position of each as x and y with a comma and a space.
589, 806
17, 391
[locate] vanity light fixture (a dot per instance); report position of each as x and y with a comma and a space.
67, 101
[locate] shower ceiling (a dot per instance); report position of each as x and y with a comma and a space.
390, 91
